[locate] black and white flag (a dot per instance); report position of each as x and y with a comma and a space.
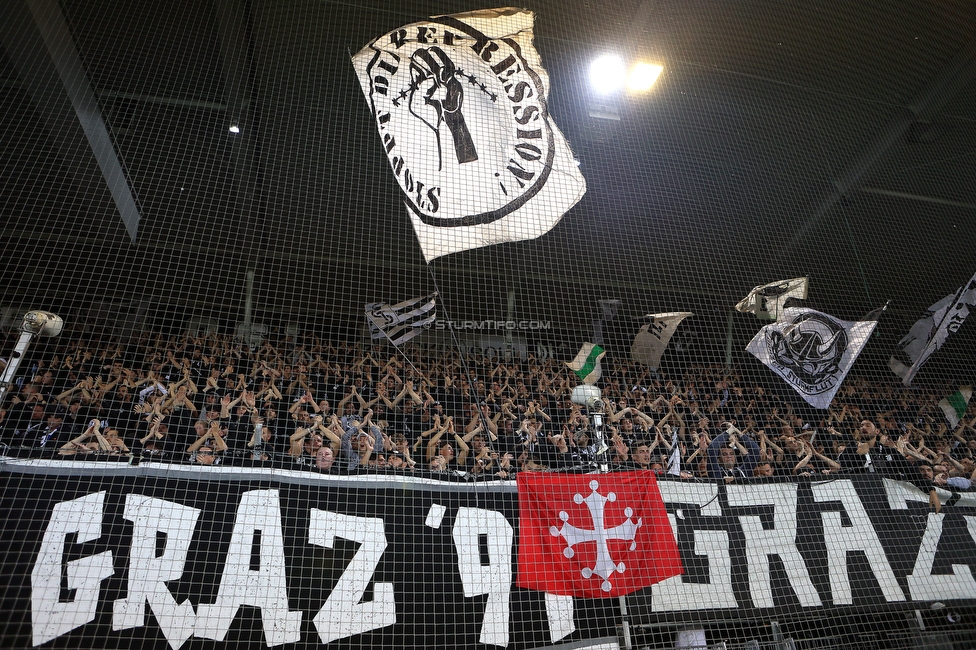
403, 321
811, 351
769, 300
674, 458
461, 105
931, 331
652, 339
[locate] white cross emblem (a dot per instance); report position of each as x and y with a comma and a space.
595, 503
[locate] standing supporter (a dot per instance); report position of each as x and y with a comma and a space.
360, 441
210, 436
530, 436
53, 434
240, 425
857, 452
262, 445
443, 455
555, 452
479, 450
120, 409
305, 443
641, 458
722, 459
76, 419
811, 459
764, 469
24, 422
45, 383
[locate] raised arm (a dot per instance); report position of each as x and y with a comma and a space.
463, 449
297, 441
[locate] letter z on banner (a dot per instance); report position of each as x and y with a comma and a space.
461, 106
593, 535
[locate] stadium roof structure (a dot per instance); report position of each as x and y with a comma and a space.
832, 140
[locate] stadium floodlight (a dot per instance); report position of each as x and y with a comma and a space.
608, 74
36, 323
642, 76
590, 397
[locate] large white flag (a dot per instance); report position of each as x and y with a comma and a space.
461, 104
931, 331
769, 300
811, 351
652, 339
401, 322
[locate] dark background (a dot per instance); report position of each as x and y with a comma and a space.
783, 139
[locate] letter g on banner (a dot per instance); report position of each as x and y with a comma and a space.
50, 618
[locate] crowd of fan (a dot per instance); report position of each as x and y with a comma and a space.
339, 408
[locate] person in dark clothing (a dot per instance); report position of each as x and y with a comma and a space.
52, 435
890, 461
722, 459
856, 455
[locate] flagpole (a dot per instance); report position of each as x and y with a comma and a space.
395, 346
457, 343
590, 397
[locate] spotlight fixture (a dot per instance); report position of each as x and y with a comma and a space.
642, 76
607, 74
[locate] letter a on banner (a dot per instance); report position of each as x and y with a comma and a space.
461, 105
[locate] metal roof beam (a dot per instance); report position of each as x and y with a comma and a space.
917, 197
40, 45
956, 76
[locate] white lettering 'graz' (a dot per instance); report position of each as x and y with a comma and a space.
343, 615
150, 570
258, 523
674, 594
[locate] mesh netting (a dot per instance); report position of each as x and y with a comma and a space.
593, 324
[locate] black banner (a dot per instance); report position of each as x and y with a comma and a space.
98, 554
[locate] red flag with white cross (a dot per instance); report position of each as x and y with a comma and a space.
593, 535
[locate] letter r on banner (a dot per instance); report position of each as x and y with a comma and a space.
149, 572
